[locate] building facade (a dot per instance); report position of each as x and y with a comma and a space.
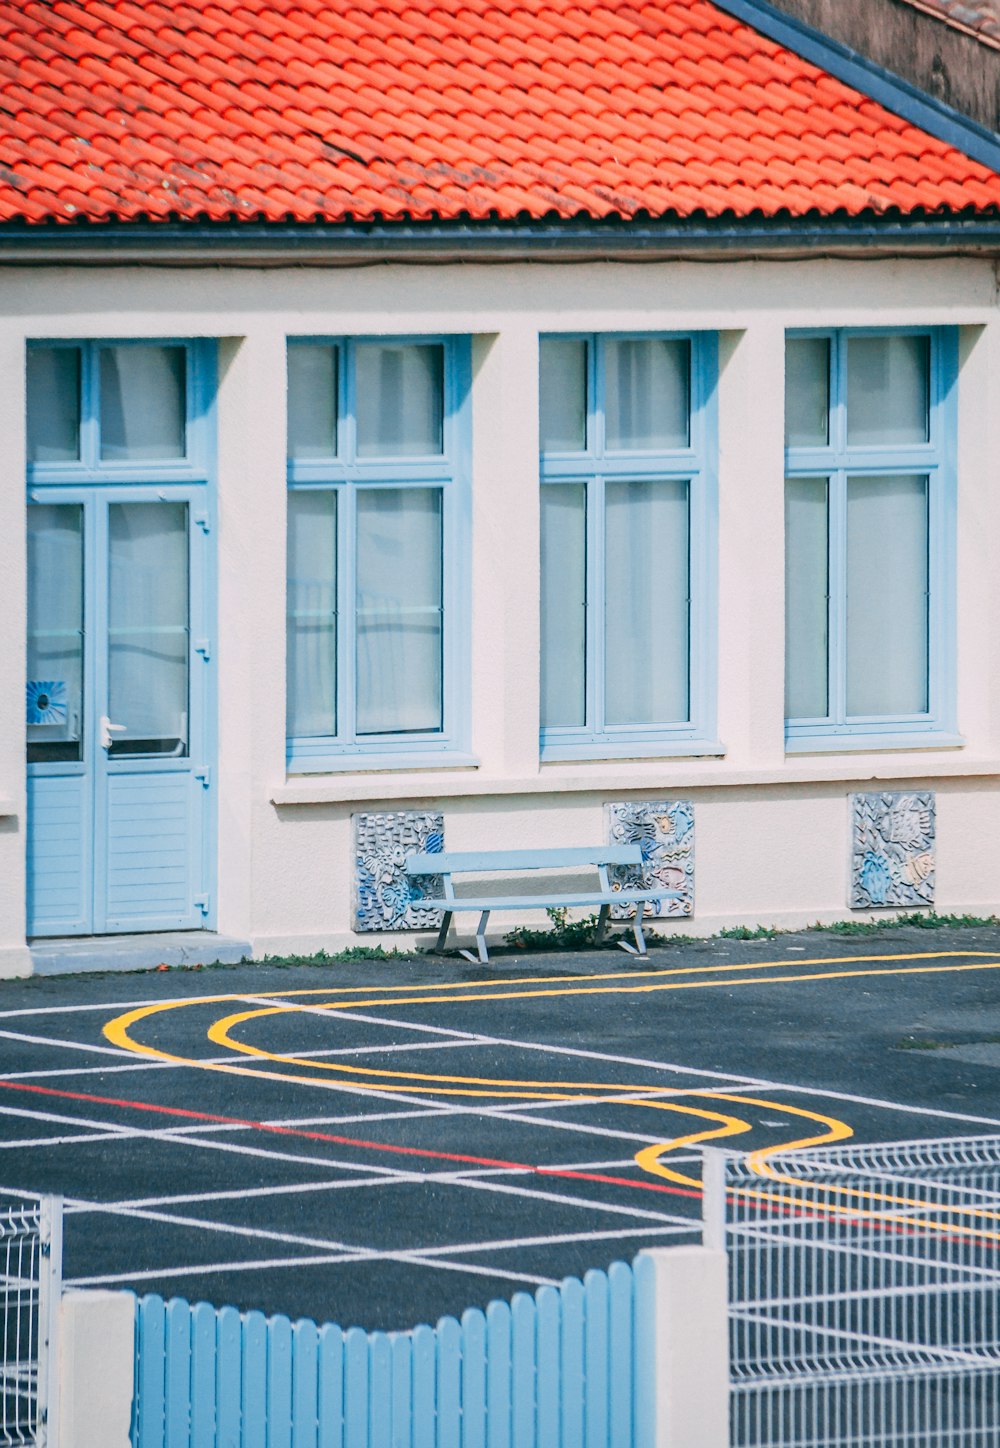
330, 536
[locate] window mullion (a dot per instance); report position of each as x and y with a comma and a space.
837, 602
595, 639
346, 613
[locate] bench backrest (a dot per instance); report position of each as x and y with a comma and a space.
498, 861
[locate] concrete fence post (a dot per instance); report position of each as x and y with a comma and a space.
96, 1369
691, 1348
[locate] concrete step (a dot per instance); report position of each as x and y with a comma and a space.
135, 952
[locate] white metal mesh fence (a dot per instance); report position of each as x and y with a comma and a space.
865, 1296
30, 1274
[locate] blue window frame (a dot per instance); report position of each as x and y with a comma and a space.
628, 544
870, 423
120, 411
378, 541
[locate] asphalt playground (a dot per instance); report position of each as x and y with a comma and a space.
382, 1142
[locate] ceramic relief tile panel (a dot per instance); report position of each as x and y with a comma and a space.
892, 850
384, 899
664, 830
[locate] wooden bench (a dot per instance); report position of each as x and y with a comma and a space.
499, 862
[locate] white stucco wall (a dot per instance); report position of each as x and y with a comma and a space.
771, 831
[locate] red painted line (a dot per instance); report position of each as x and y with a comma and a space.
125, 1103
589, 1176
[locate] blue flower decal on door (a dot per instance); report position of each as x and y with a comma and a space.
46, 701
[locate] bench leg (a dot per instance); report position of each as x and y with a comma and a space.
602, 924
639, 948
483, 956
443, 932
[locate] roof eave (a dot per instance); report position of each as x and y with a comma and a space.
258, 243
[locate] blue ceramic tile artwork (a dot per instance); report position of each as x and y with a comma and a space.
384, 899
664, 830
892, 850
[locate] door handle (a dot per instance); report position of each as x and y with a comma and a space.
107, 729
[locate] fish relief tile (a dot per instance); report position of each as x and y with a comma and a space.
384, 898
892, 850
664, 831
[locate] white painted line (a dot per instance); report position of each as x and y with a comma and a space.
41, 1141
60, 1044
564, 1238
146, 1064
245, 1194
160, 1274
166, 1274
562, 1199
424, 1257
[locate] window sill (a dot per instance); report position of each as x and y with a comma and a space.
594, 751
7, 807
377, 764
869, 743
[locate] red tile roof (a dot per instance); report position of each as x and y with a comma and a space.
330, 110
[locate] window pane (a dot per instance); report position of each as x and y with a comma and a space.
53, 404
887, 581
563, 388
564, 602
400, 400
148, 627
646, 605
647, 392
311, 666
806, 590
143, 407
312, 402
888, 390
807, 392
55, 632
399, 610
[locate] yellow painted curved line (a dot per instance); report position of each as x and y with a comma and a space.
220, 1034
117, 1029
648, 1158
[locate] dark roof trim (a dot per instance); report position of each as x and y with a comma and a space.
891, 91
293, 243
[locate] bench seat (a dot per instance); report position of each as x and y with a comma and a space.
448, 864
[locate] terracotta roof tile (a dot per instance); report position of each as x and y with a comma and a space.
331, 110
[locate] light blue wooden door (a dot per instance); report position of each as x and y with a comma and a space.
118, 711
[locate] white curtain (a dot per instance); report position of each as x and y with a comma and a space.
312, 401
646, 607
564, 599
148, 624
888, 389
646, 393
806, 587
400, 399
143, 405
887, 580
807, 392
563, 394
399, 610
311, 667
53, 379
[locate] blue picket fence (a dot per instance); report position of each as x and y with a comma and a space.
570, 1367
